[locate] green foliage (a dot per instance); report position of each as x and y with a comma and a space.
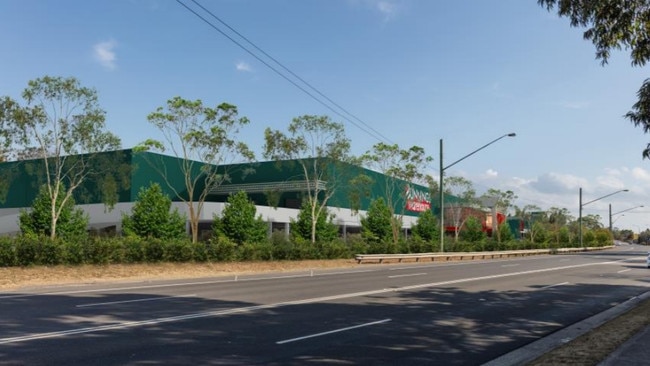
473, 231
505, 234
238, 222
603, 237
426, 227
418, 245
72, 222
62, 124
589, 238
615, 25
205, 141
563, 236
7, 252
302, 226
539, 233
318, 145
400, 167
376, 225
151, 216
334, 249
221, 249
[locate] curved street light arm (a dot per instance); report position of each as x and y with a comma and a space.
629, 209
512, 134
605, 196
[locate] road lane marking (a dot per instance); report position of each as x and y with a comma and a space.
178, 284
332, 331
407, 275
510, 265
135, 300
623, 270
248, 309
551, 286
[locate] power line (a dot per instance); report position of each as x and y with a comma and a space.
375, 134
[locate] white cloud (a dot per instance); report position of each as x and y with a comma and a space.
491, 173
641, 174
386, 8
243, 66
556, 183
104, 54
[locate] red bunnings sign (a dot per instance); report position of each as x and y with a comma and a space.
417, 200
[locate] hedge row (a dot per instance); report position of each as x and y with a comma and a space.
33, 250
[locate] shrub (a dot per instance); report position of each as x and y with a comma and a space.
280, 245
505, 234
154, 250
564, 237
71, 222
357, 244
376, 225
7, 252
98, 251
238, 222
151, 216
38, 250
221, 249
334, 249
179, 250
74, 252
325, 229
589, 238
134, 249
426, 227
603, 237
472, 231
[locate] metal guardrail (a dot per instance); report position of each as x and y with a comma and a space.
455, 256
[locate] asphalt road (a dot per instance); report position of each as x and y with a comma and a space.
462, 313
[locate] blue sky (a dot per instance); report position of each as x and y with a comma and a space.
416, 71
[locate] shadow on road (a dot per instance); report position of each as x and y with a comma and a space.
435, 325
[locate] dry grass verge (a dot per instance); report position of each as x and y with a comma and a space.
13, 278
594, 346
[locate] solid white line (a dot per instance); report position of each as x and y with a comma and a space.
136, 300
407, 275
557, 284
177, 284
345, 272
277, 305
623, 270
333, 331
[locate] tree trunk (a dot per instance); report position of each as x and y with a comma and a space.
313, 224
53, 220
194, 223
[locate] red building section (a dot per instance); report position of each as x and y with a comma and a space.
483, 216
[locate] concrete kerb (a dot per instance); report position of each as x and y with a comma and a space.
537, 348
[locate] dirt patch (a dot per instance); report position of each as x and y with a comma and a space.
594, 346
12, 278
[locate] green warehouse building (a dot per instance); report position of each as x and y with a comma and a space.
276, 188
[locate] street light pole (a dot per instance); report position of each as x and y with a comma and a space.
441, 198
581, 205
619, 212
